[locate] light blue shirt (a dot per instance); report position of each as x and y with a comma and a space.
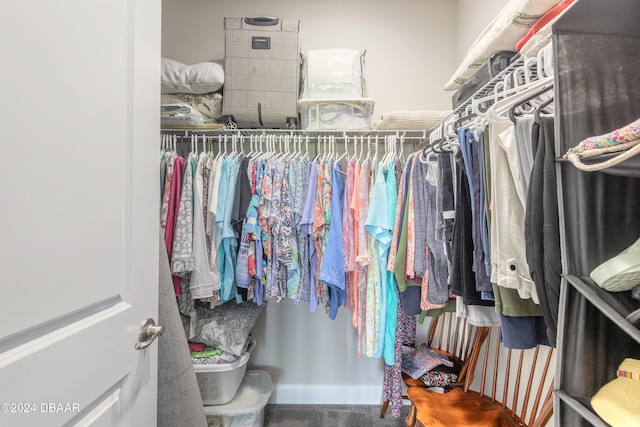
388, 351
228, 247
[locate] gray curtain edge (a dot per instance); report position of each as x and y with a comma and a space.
179, 400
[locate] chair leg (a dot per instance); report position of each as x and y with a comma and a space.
411, 418
383, 411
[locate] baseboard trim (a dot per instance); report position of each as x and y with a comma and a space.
339, 394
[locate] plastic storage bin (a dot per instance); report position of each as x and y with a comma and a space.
336, 114
247, 407
219, 382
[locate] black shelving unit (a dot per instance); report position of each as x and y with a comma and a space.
597, 89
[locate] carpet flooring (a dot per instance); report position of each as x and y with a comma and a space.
330, 416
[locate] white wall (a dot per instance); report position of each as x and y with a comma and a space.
472, 17
409, 45
412, 49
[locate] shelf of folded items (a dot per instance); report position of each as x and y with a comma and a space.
505, 79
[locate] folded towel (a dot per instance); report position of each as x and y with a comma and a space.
410, 120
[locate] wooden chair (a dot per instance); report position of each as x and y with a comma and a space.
453, 337
511, 392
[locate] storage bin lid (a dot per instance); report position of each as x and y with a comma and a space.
304, 102
253, 394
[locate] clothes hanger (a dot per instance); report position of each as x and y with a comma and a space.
279, 153
306, 144
426, 156
322, 148
368, 148
267, 146
332, 148
271, 146
501, 108
467, 115
540, 109
354, 156
250, 139
346, 147
240, 147
527, 99
295, 152
234, 147
449, 142
510, 94
389, 146
374, 160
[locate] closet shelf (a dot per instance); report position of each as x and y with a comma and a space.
413, 137
504, 78
582, 406
619, 307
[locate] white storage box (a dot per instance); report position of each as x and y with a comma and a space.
219, 382
333, 73
247, 407
336, 114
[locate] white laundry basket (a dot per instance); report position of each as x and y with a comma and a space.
219, 382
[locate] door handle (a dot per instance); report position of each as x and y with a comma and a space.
149, 331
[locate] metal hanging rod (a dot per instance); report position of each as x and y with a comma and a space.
414, 137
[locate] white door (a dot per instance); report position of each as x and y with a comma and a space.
79, 134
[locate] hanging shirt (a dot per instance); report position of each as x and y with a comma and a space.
288, 253
163, 174
397, 222
278, 270
252, 229
362, 255
321, 223
462, 276
409, 266
508, 254
445, 203
214, 232
468, 145
348, 234
202, 284
264, 208
228, 249
172, 216
377, 225
306, 226
332, 272
354, 207
182, 261
388, 349
373, 301
170, 158
438, 269
301, 190
241, 201
402, 227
